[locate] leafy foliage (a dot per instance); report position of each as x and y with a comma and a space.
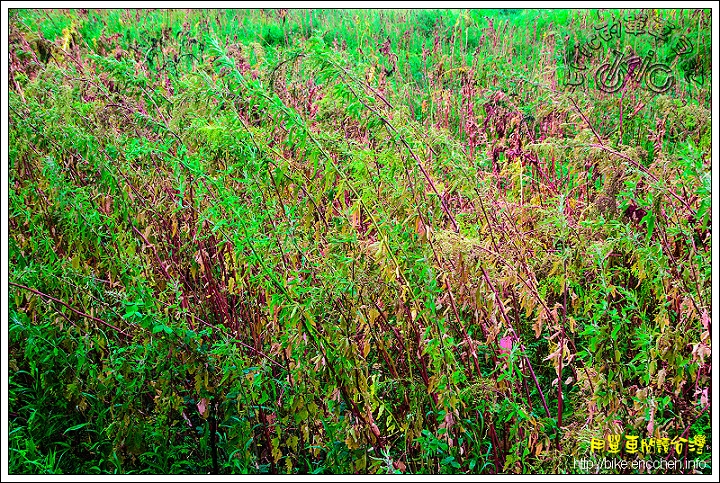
346, 242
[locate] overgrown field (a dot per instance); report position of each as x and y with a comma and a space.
360, 241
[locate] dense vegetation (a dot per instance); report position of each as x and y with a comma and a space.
352, 241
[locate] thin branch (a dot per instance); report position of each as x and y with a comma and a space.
82, 314
587, 122
507, 320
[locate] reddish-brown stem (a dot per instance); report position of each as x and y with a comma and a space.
517, 339
414, 156
644, 170
239, 342
560, 360
78, 312
471, 347
495, 445
597, 136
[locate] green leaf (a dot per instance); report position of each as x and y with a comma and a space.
76, 427
448, 460
649, 220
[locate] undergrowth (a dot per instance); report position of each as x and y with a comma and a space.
351, 241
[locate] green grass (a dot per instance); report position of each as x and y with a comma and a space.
255, 241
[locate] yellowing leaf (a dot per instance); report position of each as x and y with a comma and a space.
373, 315
351, 441
661, 378
292, 443
538, 448
538, 325
309, 318
276, 453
